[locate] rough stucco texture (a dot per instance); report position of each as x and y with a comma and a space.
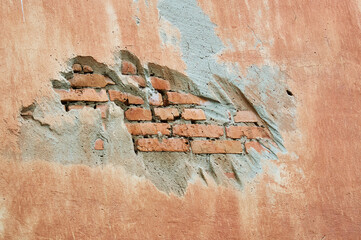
310, 48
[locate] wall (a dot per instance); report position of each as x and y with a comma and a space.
294, 64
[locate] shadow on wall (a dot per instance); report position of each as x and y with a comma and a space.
151, 120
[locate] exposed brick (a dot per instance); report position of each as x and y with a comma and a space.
166, 113
245, 116
156, 99
193, 114
160, 84
148, 128
116, 95
85, 94
255, 145
77, 68
219, 146
184, 98
90, 80
249, 132
138, 114
135, 99
230, 175
166, 145
140, 80
103, 109
128, 68
99, 144
87, 69
198, 130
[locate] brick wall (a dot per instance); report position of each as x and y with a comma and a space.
159, 114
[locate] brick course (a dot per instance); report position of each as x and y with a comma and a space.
218, 146
198, 130
166, 113
85, 94
184, 98
148, 128
166, 145
249, 132
90, 80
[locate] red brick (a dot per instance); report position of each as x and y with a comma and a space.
77, 68
245, 116
90, 80
103, 109
116, 95
148, 128
255, 145
219, 146
160, 84
99, 144
156, 99
140, 80
85, 94
166, 113
138, 114
135, 99
193, 114
249, 132
128, 68
184, 98
198, 130
166, 145
87, 69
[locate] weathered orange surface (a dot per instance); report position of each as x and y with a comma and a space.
317, 194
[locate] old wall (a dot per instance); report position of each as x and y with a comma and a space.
294, 64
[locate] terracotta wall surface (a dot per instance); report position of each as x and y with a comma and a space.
312, 191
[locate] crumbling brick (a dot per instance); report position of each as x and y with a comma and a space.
166, 113
116, 95
218, 146
140, 80
184, 98
138, 114
193, 114
165, 145
156, 100
77, 68
255, 145
160, 84
90, 80
87, 69
148, 128
135, 99
245, 116
85, 94
249, 132
99, 144
128, 68
198, 130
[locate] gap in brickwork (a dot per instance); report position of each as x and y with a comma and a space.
163, 111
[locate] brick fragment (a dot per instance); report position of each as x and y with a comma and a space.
99, 144
231, 175
135, 99
218, 146
103, 109
128, 68
166, 145
90, 80
193, 114
138, 114
249, 132
184, 98
156, 99
198, 130
255, 145
77, 68
116, 95
160, 84
140, 80
87, 69
85, 94
148, 128
245, 116
166, 113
